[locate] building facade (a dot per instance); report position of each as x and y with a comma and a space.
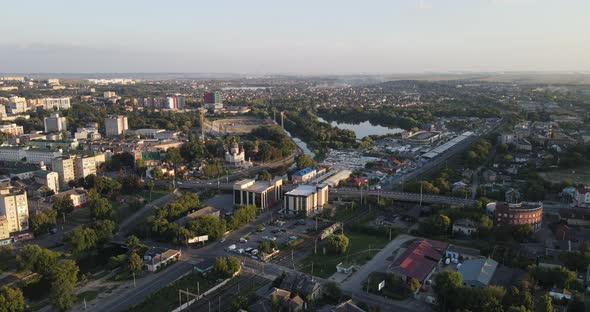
56, 103
14, 211
261, 194
55, 123
115, 125
84, 166
308, 199
12, 129
64, 166
304, 175
519, 213
582, 198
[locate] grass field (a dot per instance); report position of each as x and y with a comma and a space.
578, 175
324, 265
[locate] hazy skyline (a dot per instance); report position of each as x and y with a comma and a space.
298, 37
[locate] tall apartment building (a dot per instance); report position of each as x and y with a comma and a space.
84, 166
175, 102
17, 105
64, 166
115, 125
218, 97
56, 103
208, 98
14, 211
12, 129
55, 123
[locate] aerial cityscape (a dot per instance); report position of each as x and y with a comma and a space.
322, 156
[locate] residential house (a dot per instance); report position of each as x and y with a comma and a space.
465, 227
157, 257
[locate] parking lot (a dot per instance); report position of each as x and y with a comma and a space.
280, 231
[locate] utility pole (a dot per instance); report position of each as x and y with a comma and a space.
315, 246
312, 268
420, 194
134, 285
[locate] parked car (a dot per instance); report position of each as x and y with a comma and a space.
293, 237
243, 240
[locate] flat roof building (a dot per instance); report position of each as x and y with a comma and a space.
262, 194
308, 199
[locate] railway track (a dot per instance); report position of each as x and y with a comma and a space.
220, 300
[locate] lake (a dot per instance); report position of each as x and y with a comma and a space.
363, 129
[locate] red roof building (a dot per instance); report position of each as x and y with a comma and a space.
419, 259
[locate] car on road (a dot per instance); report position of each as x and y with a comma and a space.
293, 237
243, 240
231, 247
222, 240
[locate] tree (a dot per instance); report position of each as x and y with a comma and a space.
226, 266
36, 259
43, 220
485, 224
134, 263
242, 215
517, 309
63, 204
233, 265
545, 304
106, 186
338, 243
64, 278
265, 175
304, 161
267, 246
105, 230
11, 300
207, 225
101, 209
80, 239
173, 156
132, 243
445, 284
413, 284
220, 266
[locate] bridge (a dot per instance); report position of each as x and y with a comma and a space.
347, 192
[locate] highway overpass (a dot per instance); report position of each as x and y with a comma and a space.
347, 193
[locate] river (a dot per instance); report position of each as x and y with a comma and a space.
363, 129
301, 145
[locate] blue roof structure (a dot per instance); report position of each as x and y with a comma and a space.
303, 172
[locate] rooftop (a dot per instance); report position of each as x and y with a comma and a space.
303, 171
303, 190
480, 270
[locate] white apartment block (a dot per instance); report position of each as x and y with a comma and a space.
84, 166
55, 123
116, 125
17, 105
28, 155
56, 103
64, 166
14, 211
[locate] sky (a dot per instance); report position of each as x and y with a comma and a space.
294, 37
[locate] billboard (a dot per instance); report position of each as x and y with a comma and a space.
381, 285
198, 239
